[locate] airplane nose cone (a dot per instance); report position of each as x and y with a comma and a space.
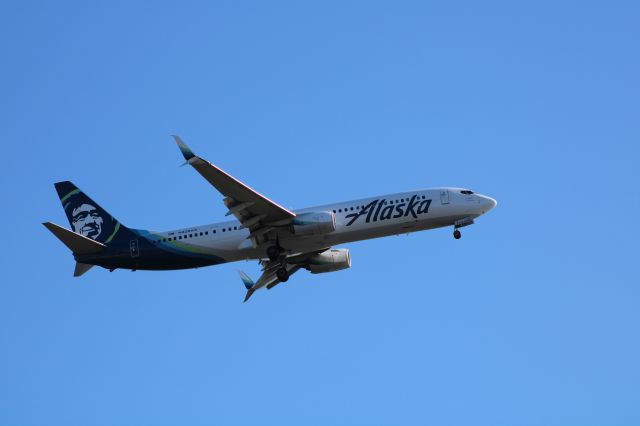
492, 202
488, 203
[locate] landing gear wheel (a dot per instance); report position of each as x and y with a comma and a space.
282, 275
457, 234
273, 252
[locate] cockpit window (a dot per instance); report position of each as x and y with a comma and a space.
466, 192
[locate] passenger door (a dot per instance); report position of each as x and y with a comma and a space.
444, 196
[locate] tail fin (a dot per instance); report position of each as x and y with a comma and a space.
87, 218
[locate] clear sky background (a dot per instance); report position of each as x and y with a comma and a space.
531, 318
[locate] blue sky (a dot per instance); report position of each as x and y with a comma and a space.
531, 318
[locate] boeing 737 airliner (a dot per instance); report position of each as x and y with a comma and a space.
283, 241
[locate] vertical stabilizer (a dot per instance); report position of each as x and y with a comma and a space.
88, 218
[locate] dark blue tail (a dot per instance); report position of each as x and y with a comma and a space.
87, 218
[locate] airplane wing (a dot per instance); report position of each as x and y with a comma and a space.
255, 211
268, 278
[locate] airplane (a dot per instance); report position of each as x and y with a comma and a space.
282, 240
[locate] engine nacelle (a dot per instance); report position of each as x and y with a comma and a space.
315, 223
329, 261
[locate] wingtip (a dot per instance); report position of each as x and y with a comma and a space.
184, 149
246, 280
248, 284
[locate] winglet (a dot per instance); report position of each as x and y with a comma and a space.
246, 280
248, 283
186, 151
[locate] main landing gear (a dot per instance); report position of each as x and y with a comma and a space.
273, 253
457, 234
282, 274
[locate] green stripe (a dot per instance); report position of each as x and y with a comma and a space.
113, 233
74, 192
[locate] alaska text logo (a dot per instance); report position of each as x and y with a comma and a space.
375, 210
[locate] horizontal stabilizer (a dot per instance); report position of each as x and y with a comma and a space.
78, 244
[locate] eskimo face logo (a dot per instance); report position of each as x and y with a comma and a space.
383, 210
87, 221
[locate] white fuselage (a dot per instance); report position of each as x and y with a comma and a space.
356, 220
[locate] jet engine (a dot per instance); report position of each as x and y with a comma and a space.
315, 223
329, 261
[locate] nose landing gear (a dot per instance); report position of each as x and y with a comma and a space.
461, 224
